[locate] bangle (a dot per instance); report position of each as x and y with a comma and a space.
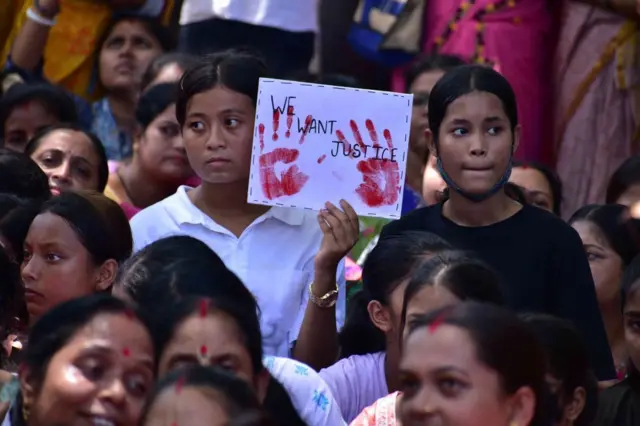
327, 301
36, 17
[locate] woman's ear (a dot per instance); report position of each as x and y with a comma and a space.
575, 406
26, 388
262, 383
106, 275
380, 316
523, 406
431, 145
517, 134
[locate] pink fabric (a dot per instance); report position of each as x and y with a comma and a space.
129, 210
599, 136
520, 50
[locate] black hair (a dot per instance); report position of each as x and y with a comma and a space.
242, 312
169, 268
56, 327
426, 63
14, 228
96, 144
9, 202
342, 80
99, 223
179, 272
466, 79
390, 262
154, 101
628, 286
161, 33
234, 394
54, 100
22, 177
567, 360
181, 59
555, 184
236, 70
463, 274
616, 225
12, 308
503, 343
625, 176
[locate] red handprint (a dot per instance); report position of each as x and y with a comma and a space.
380, 177
290, 181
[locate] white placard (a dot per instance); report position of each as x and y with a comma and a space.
314, 143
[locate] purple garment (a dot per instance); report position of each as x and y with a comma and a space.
356, 382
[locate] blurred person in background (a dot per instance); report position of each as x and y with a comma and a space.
283, 31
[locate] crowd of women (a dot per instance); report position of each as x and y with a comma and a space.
140, 288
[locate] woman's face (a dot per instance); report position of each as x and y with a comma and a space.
69, 160
23, 122
126, 54
189, 406
475, 141
160, 150
631, 313
535, 185
630, 196
429, 298
214, 340
432, 182
421, 89
444, 383
56, 266
99, 377
606, 265
218, 132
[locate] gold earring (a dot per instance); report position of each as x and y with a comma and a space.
26, 412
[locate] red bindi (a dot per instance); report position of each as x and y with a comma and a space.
130, 314
126, 352
179, 385
204, 308
436, 323
203, 350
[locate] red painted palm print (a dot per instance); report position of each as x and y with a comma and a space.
380, 177
292, 180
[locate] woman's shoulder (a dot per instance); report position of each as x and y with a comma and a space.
418, 220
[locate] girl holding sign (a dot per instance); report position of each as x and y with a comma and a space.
290, 259
473, 133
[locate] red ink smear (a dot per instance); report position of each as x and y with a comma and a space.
203, 308
126, 352
372, 132
203, 350
276, 124
380, 182
290, 114
321, 159
344, 141
261, 135
179, 384
387, 137
289, 182
307, 125
356, 133
437, 323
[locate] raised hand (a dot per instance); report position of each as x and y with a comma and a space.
341, 229
380, 177
292, 180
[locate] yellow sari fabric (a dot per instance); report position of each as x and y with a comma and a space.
69, 55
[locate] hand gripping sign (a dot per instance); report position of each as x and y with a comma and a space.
315, 143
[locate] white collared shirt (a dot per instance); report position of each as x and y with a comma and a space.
273, 257
310, 395
288, 15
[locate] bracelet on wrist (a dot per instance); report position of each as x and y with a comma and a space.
36, 17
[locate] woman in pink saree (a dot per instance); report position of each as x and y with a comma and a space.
513, 36
597, 98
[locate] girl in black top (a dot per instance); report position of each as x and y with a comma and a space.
473, 132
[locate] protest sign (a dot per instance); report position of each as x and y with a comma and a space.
314, 143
